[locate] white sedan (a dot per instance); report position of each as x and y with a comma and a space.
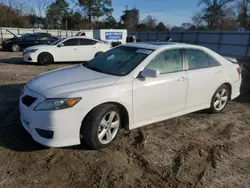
125, 88
65, 50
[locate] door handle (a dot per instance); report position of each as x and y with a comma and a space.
181, 79
75, 48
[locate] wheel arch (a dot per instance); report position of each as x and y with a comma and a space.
45, 52
229, 87
125, 119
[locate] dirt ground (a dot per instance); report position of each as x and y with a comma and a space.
195, 150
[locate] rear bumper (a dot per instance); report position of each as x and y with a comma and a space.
235, 89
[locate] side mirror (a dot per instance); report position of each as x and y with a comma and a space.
150, 73
60, 45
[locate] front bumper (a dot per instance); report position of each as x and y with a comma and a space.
64, 124
30, 57
6, 46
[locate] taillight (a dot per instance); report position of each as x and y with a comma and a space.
238, 69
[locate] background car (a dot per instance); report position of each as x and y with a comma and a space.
72, 49
16, 43
126, 87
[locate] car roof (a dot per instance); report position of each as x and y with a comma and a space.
157, 45
81, 37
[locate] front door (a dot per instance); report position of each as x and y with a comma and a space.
164, 95
27, 41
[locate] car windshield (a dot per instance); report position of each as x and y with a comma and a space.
57, 41
119, 61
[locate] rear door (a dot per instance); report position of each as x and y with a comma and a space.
205, 75
87, 49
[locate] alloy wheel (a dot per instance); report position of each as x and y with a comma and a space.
221, 99
108, 127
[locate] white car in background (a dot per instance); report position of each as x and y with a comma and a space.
125, 88
72, 49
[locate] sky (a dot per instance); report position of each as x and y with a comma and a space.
173, 12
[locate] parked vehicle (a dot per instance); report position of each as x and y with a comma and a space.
72, 49
16, 43
125, 88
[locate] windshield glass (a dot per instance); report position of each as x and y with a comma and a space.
119, 61
57, 41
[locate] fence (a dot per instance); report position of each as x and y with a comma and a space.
18, 31
230, 43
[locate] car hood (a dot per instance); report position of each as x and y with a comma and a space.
39, 47
69, 79
8, 40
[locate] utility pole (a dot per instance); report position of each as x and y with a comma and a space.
89, 13
66, 25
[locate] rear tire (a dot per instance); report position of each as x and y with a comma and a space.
101, 126
98, 53
15, 48
45, 59
220, 99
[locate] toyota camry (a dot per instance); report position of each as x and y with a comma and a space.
125, 88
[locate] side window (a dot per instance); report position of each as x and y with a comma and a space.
42, 38
71, 42
198, 59
213, 62
30, 38
87, 42
167, 62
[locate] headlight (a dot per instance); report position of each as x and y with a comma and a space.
30, 51
57, 104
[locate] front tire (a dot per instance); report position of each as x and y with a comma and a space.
101, 126
15, 48
220, 99
45, 59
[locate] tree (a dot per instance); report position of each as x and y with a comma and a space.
142, 27
12, 17
150, 22
243, 16
161, 27
110, 23
188, 26
130, 19
96, 8
39, 6
214, 12
36, 21
56, 12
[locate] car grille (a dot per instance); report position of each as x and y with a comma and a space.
28, 100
